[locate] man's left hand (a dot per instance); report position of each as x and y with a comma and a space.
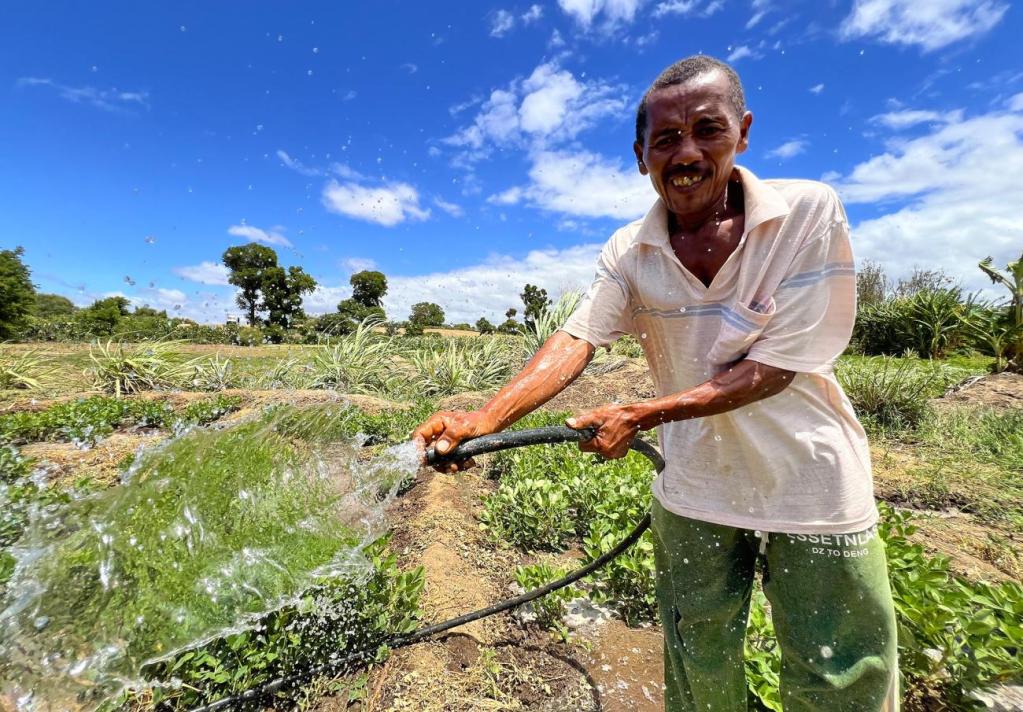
616, 428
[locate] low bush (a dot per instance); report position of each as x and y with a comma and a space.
892, 394
531, 513
347, 615
359, 362
550, 609
460, 365
24, 371
123, 369
88, 419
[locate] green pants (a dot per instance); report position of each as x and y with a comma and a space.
830, 603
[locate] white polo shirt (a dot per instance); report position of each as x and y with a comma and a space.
796, 462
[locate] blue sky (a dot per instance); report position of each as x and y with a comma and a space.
465, 149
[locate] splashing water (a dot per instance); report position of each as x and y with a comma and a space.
211, 532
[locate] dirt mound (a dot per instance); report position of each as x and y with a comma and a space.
250, 399
1000, 390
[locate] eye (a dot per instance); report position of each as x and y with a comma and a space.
709, 130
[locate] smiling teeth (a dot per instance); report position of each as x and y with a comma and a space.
685, 181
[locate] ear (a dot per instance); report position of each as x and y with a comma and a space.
744, 124
637, 147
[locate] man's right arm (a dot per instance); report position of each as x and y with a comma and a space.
558, 362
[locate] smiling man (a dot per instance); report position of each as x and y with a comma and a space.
742, 294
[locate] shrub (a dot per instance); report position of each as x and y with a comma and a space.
359, 362
213, 374
549, 609
460, 365
13, 466
25, 370
219, 530
88, 419
123, 369
889, 393
530, 513
345, 615
549, 319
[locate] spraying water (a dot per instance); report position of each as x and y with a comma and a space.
208, 535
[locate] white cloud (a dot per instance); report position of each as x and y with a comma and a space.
613, 12
410, 67
1016, 102
931, 25
687, 7
501, 22
676, 7
955, 205
107, 99
296, 165
817, 88
911, 117
490, 288
358, 264
582, 184
740, 52
534, 13
272, 236
788, 149
387, 204
213, 273
452, 209
549, 106
760, 8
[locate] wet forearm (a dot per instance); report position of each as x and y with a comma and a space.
558, 362
742, 384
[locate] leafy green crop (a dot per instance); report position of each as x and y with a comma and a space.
213, 532
89, 419
548, 609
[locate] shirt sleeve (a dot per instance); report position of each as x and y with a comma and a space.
602, 316
815, 303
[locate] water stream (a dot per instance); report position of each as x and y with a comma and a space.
209, 533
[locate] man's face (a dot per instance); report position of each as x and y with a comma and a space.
692, 138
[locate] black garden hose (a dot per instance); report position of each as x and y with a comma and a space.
466, 450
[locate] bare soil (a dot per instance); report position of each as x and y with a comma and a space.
1000, 390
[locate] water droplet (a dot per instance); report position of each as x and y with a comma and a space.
316, 50
643, 335
826, 652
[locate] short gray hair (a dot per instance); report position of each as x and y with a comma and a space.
680, 73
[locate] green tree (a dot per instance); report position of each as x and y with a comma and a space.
426, 314
148, 312
536, 301
484, 326
265, 286
54, 306
510, 314
248, 265
102, 316
368, 288
282, 295
17, 293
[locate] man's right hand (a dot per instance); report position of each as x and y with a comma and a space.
446, 429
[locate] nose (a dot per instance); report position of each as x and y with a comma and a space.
686, 150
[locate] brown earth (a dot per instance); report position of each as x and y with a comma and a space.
1000, 390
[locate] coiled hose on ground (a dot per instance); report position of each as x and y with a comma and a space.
466, 450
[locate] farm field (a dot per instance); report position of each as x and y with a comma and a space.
948, 473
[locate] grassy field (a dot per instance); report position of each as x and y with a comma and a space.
948, 463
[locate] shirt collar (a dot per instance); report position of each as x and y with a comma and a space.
763, 203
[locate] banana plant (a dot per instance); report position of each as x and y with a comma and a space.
1012, 278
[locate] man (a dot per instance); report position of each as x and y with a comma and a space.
742, 294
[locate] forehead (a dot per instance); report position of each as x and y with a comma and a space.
703, 95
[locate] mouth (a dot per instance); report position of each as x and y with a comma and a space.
686, 182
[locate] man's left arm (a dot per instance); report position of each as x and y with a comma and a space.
741, 384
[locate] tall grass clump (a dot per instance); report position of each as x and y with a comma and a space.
213, 374
359, 362
460, 364
211, 534
891, 394
24, 371
549, 320
122, 369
